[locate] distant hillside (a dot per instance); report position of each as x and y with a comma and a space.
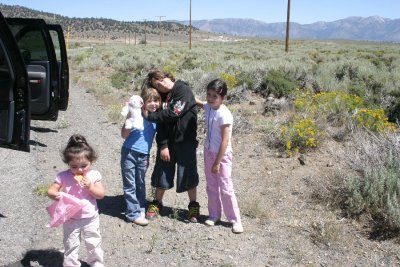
352, 28
98, 28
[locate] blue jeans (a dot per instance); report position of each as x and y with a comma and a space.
133, 168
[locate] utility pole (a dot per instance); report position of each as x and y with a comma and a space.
160, 28
287, 28
190, 25
145, 41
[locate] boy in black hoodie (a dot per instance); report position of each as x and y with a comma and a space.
176, 142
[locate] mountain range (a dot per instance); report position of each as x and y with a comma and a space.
372, 28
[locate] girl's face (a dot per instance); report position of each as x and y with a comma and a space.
152, 104
163, 85
79, 165
214, 99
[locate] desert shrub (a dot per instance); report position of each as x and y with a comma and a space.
373, 119
340, 108
93, 62
120, 79
393, 108
335, 107
278, 84
113, 113
325, 231
188, 63
78, 58
300, 135
230, 80
376, 191
170, 68
246, 79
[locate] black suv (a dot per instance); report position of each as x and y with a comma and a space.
34, 77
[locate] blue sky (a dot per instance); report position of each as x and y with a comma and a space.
302, 11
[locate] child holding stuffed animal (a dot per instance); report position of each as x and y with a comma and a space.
135, 154
81, 182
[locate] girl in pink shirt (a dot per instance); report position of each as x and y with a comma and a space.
85, 184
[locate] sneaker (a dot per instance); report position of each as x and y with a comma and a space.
194, 211
153, 210
237, 228
141, 221
211, 221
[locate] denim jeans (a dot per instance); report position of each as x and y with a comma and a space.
133, 168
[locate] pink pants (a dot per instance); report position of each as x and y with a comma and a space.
89, 228
220, 188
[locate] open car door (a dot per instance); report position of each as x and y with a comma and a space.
36, 46
57, 35
14, 93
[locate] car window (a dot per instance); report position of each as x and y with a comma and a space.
4, 68
56, 43
31, 42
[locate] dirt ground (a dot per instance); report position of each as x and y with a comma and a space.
283, 225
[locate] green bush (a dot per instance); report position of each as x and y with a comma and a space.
120, 79
375, 189
278, 84
378, 194
393, 110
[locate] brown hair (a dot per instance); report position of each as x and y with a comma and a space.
76, 146
219, 86
156, 74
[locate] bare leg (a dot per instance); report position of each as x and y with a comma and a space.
159, 194
192, 192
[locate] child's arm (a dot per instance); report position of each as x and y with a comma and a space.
125, 132
54, 191
199, 103
95, 189
222, 148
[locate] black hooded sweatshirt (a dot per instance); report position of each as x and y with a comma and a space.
177, 122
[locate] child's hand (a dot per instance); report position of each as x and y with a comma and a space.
215, 168
54, 191
86, 183
57, 196
164, 154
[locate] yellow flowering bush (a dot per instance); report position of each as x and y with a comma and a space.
373, 119
300, 135
230, 80
336, 108
328, 104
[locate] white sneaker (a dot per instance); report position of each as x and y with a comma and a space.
237, 228
211, 221
141, 221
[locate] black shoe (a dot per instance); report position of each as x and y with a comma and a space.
194, 211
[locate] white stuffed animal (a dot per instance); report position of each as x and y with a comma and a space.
134, 108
